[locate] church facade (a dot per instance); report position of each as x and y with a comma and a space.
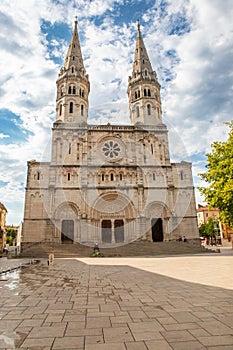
110, 184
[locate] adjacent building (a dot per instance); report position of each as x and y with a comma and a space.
3, 212
204, 213
110, 184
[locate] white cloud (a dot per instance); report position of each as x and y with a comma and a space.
3, 136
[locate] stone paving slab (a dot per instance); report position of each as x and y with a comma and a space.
107, 306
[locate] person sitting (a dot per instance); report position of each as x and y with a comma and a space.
96, 248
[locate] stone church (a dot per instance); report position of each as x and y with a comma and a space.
110, 184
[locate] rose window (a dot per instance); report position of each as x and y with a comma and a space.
111, 149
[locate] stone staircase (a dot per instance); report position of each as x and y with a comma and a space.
137, 248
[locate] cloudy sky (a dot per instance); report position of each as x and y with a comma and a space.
190, 45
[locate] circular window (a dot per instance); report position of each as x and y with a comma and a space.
111, 149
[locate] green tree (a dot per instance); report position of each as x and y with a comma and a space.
219, 177
210, 228
10, 235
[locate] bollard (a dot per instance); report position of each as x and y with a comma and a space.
51, 260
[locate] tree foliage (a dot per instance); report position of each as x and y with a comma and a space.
210, 228
10, 235
219, 177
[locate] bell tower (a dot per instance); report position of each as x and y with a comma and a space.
143, 89
73, 85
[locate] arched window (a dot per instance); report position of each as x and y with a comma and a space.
68, 176
38, 175
71, 107
80, 92
121, 177
112, 177
136, 95
154, 177
83, 93
60, 109
143, 61
148, 109
146, 73
69, 90
72, 70
149, 93
152, 149
145, 92
73, 58
138, 111
82, 110
74, 90
69, 148
102, 177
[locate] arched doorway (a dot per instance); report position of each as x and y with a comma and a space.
67, 231
119, 231
106, 231
157, 229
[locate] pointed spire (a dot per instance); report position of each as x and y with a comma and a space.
139, 32
73, 84
141, 59
143, 88
74, 54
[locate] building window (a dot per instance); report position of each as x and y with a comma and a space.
149, 109
38, 175
83, 93
138, 112
69, 90
112, 177
149, 93
69, 148
68, 176
182, 175
72, 70
145, 92
136, 95
73, 58
60, 111
121, 177
102, 177
71, 107
82, 110
74, 90
145, 72
152, 149
154, 177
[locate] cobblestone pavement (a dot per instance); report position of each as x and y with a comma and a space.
77, 305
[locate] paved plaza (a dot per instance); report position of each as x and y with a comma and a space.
162, 303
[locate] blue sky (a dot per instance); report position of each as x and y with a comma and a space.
190, 45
